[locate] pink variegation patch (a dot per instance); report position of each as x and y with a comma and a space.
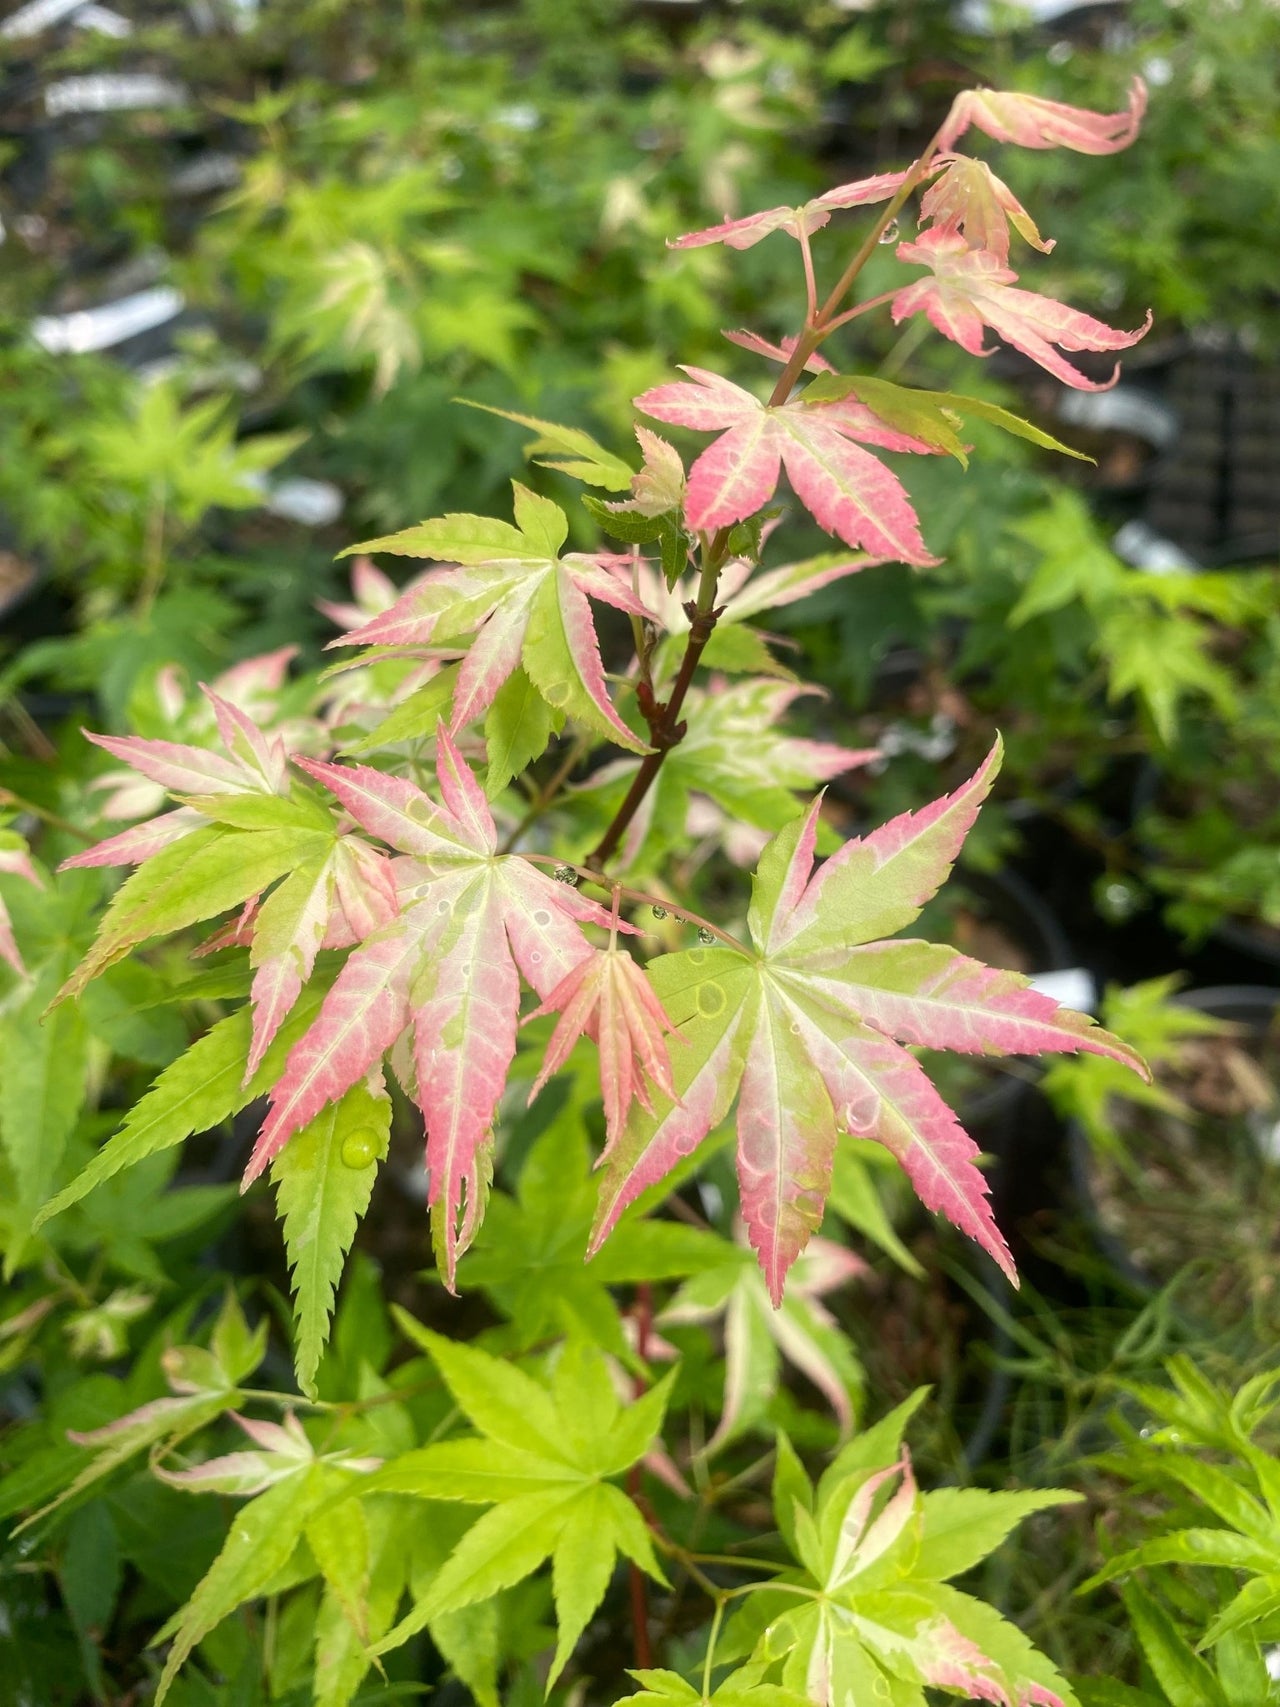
848, 491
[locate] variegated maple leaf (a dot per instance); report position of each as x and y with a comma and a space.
333, 893
848, 491
251, 763
973, 288
807, 1027
1033, 122
658, 488
744, 233
970, 199
439, 985
870, 1614
523, 601
608, 998
170, 707
283, 1451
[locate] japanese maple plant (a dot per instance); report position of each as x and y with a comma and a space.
474, 826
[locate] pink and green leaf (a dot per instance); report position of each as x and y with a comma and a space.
973, 288
1032, 122
848, 491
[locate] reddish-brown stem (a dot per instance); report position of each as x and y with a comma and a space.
915, 174
862, 308
624, 891
665, 729
641, 1643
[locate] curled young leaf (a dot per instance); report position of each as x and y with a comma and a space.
972, 288
1033, 122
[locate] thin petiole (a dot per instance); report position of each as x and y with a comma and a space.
862, 308
642, 896
810, 282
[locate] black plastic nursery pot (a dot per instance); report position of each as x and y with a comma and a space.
1190, 1193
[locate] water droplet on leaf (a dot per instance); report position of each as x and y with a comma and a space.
696, 956
890, 232
421, 810
557, 694
444, 906
542, 917
710, 999
359, 1149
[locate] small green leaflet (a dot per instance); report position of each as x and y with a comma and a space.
196, 878
518, 728
42, 1091
529, 1257
932, 416
633, 527
324, 1179
742, 1688
200, 1090
541, 1463
567, 449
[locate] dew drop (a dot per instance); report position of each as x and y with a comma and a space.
710, 999
696, 956
359, 1149
536, 958
565, 874
890, 232
542, 917
557, 694
795, 1027
659, 912
444, 906
706, 937
421, 810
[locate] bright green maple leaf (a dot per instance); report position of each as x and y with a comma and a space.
869, 1610
529, 1256
543, 1462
